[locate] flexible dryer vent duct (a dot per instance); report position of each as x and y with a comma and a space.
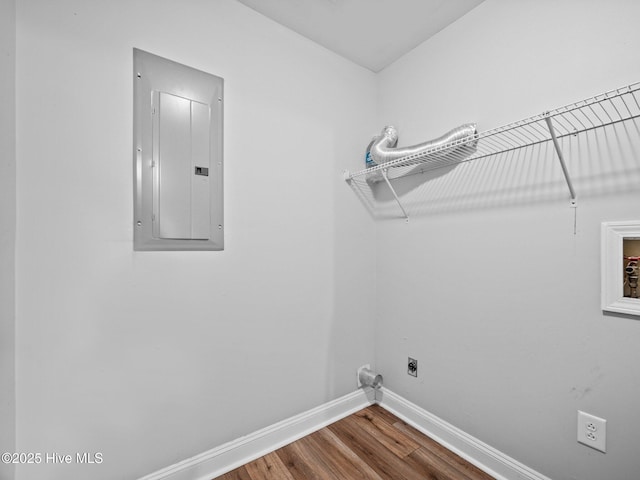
383, 149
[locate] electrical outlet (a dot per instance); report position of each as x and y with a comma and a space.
412, 367
592, 431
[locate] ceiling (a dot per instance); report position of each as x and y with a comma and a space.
371, 33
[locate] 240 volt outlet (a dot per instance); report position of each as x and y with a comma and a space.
412, 367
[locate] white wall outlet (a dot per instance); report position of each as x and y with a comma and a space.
368, 366
592, 431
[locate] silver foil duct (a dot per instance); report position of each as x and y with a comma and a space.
382, 149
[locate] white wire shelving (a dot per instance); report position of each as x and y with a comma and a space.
609, 108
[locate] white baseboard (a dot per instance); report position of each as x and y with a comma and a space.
485, 457
236, 453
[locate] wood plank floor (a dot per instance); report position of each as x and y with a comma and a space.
370, 444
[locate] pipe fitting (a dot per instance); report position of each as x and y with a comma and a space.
368, 378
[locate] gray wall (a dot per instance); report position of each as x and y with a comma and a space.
150, 358
7, 230
147, 357
487, 286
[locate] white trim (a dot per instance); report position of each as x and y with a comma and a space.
485, 457
236, 453
613, 235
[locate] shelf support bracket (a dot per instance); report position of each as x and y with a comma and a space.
565, 171
386, 179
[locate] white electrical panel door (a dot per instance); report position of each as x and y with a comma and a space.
178, 156
200, 184
181, 168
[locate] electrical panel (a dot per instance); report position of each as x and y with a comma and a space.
178, 188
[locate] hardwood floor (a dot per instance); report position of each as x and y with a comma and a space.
370, 444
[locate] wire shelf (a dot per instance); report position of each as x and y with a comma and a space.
609, 108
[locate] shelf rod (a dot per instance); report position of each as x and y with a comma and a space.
556, 144
386, 179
